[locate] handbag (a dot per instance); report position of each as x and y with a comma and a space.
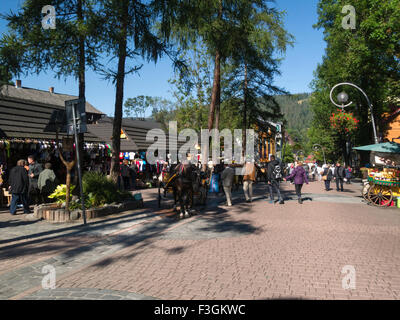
325, 178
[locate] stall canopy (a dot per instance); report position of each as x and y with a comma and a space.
387, 147
383, 153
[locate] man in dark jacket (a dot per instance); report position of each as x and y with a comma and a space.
19, 183
339, 175
133, 174
125, 174
34, 171
275, 174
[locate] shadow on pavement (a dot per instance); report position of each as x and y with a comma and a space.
15, 223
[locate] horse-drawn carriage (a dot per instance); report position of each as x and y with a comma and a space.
187, 183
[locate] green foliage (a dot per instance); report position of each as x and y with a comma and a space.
99, 190
57, 49
60, 193
288, 153
10, 54
367, 56
140, 104
296, 110
244, 36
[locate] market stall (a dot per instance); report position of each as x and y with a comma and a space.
382, 188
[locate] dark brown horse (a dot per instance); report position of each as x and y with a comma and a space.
183, 181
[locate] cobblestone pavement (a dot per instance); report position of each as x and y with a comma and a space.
252, 250
85, 294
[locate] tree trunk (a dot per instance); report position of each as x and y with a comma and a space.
215, 95
244, 112
82, 88
69, 166
116, 139
68, 184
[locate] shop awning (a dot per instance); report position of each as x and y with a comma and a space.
387, 147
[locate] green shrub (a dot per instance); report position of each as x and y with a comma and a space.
60, 193
99, 190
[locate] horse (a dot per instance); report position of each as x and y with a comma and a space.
182, 181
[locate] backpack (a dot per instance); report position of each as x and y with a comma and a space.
277, 172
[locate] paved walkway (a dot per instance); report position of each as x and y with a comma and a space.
248, 251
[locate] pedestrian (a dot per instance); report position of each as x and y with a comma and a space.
125, 174
339, 176
214, 180
320, 171
248, 179
19, 186
333, 168
275, 174
348, 175
3, 175
34, 171
227, 177
47, 182
313, 172
307, 169
299, 177
133, 173
327, 177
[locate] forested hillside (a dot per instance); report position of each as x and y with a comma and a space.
296, 110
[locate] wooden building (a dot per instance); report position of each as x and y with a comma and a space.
266, 132
25, 128
392, 124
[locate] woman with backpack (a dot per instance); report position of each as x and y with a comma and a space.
299, 177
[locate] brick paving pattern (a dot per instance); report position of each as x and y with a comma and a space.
248, 251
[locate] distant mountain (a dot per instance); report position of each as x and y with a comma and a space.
296, 110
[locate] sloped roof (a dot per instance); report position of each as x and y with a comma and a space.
29, 118
42, 97
104, 129
135, 130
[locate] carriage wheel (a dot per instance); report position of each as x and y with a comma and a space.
364, 191
380, 196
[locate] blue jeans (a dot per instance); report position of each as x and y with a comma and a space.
16, 197
274, 185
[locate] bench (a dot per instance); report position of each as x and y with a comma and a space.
5, 194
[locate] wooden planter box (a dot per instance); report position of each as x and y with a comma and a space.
54, 213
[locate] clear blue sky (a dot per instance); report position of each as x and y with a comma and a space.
297, 68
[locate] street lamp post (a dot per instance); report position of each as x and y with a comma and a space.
343, 98
298, 152
323, 151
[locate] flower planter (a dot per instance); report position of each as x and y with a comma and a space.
54, 213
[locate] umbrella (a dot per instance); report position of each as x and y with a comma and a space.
386, 147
